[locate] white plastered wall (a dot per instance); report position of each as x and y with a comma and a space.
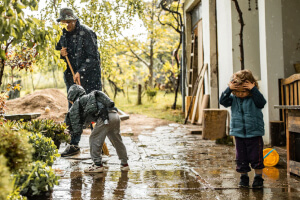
264, 57
271, 57
206, 42
250, 38
224, 36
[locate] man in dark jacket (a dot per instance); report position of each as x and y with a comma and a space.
94, 107
78, 44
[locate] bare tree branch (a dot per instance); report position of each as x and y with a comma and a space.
169, 24
179, 22
241, 21
140, 58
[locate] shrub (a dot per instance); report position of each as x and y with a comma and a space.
6, 186
45, 150
58, 132
15, 195
38, 180
15, 147
151, 93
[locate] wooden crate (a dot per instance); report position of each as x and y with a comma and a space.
214, 124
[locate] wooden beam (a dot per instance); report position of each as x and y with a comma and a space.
198, 92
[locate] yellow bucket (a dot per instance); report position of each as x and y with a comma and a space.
271, 157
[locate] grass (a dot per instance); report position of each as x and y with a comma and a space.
158, 107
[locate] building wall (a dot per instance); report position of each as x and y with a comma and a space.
250, 38
291, 35
209, 44
263, 49
271, 57
187, 8
224, 35
206, 42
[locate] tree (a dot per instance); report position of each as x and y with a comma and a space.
176, 23
157, 50
108, 19
30, 33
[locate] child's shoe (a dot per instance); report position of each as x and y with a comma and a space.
124, 167
244, 181
258, 182
94, 169
70, 151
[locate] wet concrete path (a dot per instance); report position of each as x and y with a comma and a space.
167, 162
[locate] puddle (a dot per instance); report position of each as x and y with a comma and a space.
168, 163
178, 184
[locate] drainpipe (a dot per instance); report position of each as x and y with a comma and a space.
183, 69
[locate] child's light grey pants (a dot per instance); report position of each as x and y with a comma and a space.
112, 131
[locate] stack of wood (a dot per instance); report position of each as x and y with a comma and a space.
194, 111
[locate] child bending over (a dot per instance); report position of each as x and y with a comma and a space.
96, 107
246, 125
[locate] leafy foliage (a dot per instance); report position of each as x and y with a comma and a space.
108, 19
45, 150
16, 148
15, 195
151, 93
21, 58
2, 103
38, 179
6, 186
24, 40
150, 57
49, 128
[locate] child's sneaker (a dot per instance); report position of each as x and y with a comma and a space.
258, 182
244, 181
94, 169
71, 150
124, 167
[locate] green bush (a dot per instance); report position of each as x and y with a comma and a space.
45, 150
15, 195
6, 185
38, 180
58, 132
151, 93
15, 147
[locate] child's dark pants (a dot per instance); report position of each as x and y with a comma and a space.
249, 151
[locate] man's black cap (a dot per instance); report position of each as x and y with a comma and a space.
66, 14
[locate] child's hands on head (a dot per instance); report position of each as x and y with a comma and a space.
248, 85
233, 85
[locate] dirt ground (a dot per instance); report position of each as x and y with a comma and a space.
38, 101
57, 102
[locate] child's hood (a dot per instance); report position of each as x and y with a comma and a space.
75, 92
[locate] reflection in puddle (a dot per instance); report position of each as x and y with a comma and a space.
271, 173
128, 185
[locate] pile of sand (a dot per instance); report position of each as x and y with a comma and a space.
38, 101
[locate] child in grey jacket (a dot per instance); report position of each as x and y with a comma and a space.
95, 107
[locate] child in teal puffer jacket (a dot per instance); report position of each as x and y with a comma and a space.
246, 125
